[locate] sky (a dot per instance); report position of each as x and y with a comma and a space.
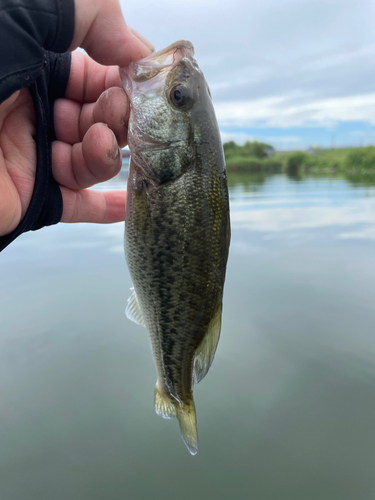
294, 74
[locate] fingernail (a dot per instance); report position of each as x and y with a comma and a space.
143, 39
115, 149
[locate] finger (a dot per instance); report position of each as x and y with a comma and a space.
9, 101
101, 30
88, 79
112, 108
96, 159
72, 120
88, 205
143, 39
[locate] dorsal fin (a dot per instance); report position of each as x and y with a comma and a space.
133, 311
205, 353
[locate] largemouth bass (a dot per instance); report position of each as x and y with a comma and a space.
177, 228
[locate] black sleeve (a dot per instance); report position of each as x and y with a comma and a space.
34, 32
27, 29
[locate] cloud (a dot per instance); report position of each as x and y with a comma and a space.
117, 249
238, 137
283, 111
367, 233
280, 142
299, 217
277, 63
284, 140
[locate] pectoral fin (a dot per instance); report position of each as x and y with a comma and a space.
205, 353
133, 311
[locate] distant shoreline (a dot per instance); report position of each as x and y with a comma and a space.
256, 157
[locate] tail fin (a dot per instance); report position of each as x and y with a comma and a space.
185, 413
188, 426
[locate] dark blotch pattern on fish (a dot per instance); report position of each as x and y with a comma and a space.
177, 226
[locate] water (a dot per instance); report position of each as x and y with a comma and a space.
287, 410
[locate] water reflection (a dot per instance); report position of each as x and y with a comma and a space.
247, 182
314, 203
287, 410
361, 179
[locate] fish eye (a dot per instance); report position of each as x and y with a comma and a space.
179, 96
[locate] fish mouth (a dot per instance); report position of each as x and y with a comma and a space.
161, 61
170, 55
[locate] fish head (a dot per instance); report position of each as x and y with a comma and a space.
170, 105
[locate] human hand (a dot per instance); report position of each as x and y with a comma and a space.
86, 151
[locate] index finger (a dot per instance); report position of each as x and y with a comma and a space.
89, 79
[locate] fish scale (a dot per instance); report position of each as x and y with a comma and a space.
177, 228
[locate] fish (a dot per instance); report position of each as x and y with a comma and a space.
177, 224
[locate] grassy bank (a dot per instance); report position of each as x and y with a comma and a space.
252, 157
261, 157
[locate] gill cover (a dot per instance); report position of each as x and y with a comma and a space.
161, 88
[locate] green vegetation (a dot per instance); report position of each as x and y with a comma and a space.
256, 149
260, 157
251, 157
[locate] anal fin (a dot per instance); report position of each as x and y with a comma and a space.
133, 311
163, 404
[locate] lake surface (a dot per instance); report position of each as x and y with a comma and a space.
287, 410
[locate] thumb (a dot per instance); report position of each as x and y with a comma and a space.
101, 30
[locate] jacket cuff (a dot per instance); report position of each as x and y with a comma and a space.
46, 205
